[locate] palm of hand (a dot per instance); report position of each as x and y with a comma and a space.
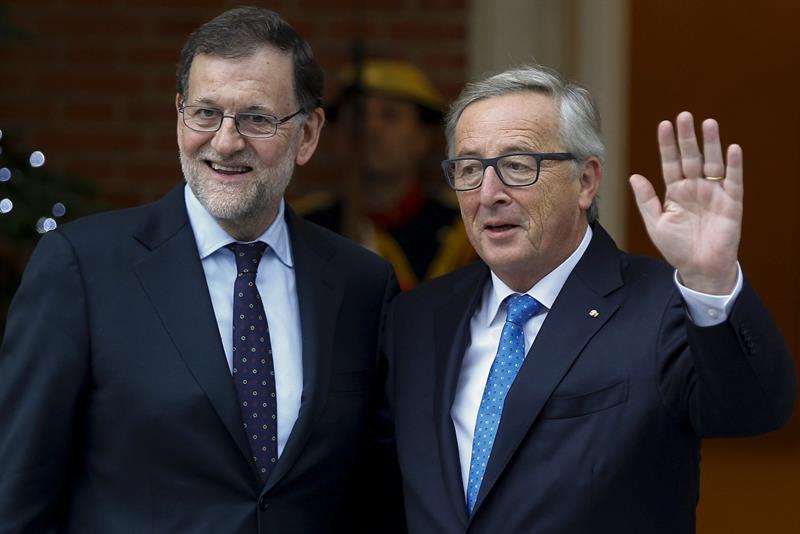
698, 227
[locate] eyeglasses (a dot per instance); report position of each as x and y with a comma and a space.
258, 125
514, 170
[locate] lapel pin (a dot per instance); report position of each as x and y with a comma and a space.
594, 314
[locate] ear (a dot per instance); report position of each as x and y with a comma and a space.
589, 182
310, 136
178, 113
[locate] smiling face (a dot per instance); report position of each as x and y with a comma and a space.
241, 180
522, 233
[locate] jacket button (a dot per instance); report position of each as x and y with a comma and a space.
263, 503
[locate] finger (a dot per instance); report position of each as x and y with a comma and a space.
646, 200
734, 177
712, 149
691, 157
670, 156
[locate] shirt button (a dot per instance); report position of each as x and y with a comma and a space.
263, 503
713, 313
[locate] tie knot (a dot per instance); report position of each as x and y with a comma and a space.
521, 308
247, 255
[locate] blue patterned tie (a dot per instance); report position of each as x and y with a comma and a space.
253, 371
506, 365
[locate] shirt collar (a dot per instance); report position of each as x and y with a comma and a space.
210, 236
545, 290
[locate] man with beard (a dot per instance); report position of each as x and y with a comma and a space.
204, 363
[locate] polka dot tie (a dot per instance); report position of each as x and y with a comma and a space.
506, 365
253, 371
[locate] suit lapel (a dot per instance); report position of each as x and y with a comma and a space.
452, 336
173, 278
565, 332
319, 294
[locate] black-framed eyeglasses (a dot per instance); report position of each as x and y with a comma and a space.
258, 125
519, 169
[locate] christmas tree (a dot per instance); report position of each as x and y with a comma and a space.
33, 199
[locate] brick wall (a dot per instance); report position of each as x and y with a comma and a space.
93, 86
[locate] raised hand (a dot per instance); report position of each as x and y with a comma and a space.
698, 227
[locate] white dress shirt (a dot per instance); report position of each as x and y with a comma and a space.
487, 323
276, 285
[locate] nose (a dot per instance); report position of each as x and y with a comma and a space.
492, 190
227, 140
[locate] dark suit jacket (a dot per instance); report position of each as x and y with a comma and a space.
119, 413
601, 429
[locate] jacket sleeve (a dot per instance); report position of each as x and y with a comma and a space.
732, 379
43, 375
373, 502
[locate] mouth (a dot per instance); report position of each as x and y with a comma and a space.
228, 170
499, 230
499, 227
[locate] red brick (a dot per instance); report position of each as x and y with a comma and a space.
332, 59
89, 26
23, 55
214, 6
434, 61
106, 73
344, 29
165, 85
348, 30
305, 27
451, 90
167, 142
444, 5
75, 5
121, 197
177, 26
90, 81
92, 170
421, 29
16, 4
91, 55
388, 5
25, 109
154, 171
89, 111
90, 139
153, 113
150, 55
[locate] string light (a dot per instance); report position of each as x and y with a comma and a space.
46, 224
37, 159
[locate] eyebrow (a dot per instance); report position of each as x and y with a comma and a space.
509, 149
204, 100
255, 107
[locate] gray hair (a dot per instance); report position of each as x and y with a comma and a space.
579, 120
